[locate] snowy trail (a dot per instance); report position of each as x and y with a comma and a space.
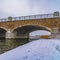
36, 50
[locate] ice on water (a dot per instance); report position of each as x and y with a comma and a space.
42, 49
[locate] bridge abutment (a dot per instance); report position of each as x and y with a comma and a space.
55, 33
10, 34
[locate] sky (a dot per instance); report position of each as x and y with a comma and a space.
17, 8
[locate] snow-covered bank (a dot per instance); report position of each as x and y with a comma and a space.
36, 50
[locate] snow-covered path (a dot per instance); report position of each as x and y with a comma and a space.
36, 50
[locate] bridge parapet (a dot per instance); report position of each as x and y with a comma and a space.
42, 16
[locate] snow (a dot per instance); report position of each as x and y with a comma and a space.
43, 49
40, 32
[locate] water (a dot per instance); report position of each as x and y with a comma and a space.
8, 44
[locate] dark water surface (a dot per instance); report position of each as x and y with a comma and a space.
8, 44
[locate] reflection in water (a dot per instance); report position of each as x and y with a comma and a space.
8, 44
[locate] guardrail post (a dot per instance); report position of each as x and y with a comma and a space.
9, 18
56, 14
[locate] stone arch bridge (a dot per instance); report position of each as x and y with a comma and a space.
20, 27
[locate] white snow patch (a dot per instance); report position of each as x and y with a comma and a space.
40, 32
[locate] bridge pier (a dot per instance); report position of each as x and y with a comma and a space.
55, 34
22, 36
10, 34
12, 39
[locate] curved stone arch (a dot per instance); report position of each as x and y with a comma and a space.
3, 28
2, 32
47, 28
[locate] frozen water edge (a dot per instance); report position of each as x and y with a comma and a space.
42, 49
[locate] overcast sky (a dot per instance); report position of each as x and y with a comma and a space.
27, 7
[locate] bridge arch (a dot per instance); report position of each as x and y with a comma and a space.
2, 33
4, 28
29, 28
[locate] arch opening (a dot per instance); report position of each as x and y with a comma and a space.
25, 30
38, 34
2, 33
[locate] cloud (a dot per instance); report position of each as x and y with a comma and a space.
27, 7
15, 7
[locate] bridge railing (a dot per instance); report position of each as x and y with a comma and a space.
29, 17
32, 17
